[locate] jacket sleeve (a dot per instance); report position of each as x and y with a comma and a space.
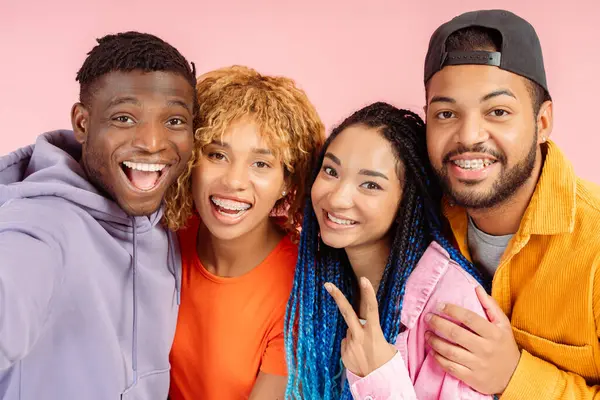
392, 380
30, 265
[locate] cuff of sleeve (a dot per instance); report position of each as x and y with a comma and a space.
390, 381
533, 379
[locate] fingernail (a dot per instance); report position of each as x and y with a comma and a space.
427, 335
440, 306
428, 317
363, 282
328, 287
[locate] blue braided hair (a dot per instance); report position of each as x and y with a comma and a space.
314, 328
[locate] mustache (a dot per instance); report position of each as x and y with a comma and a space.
477, 148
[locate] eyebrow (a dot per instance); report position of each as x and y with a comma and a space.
442, 99
181, 103
367, 172
333, 158
256, 150
501, 92
132, 100
123, 100
496, 93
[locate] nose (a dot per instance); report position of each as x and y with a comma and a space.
472, 131
341, 196
150, 137
236, 176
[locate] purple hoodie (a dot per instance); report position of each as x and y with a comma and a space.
88, 294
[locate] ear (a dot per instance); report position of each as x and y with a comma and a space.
545, 121
284, 191
426, 102
80, 122
285, 187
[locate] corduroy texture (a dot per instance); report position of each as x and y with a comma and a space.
548, 284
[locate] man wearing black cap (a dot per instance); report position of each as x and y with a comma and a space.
516, 208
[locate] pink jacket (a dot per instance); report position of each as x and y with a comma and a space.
413, 373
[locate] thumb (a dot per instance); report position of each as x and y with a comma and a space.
491, 307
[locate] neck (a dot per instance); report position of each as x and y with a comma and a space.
235, 257
505, 218
369, 261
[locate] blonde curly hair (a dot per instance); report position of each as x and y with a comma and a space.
289, 122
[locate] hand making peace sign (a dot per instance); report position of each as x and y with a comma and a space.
364, 349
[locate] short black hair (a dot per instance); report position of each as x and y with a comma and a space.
129, 51
479, 38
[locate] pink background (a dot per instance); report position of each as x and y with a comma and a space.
344, 53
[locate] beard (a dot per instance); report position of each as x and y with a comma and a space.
507, 183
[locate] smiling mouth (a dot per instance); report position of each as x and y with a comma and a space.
340, 221
228, 207
144, 176
473, 165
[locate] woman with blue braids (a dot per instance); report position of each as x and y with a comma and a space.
371, 237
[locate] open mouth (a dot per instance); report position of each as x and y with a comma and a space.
228, 207
144, 176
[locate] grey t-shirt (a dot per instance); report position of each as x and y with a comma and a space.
486, 250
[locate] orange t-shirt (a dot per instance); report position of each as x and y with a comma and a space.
229, 329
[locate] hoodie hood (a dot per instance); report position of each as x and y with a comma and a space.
51, 167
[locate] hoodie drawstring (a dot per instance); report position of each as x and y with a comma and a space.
134, 355
135, 339
176, 269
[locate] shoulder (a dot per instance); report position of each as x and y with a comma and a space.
436, 267
277, 270
588, 199
44, 226
286, 253
437, 278
457, 287
281, 262
52, 215
586, 223
187, 237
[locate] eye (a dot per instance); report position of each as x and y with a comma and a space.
371, 186
175, 121
330, 171
124, 119
216, 156
445, 115
261, 164
499, 113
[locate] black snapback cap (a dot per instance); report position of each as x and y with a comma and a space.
520, 52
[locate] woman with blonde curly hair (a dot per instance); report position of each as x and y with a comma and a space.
237, 210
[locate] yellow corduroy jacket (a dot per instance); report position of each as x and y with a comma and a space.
548, 284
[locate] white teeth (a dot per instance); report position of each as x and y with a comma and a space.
230, 204
473, 164
340, 221
144, 166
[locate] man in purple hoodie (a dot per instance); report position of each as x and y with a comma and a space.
88, 276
